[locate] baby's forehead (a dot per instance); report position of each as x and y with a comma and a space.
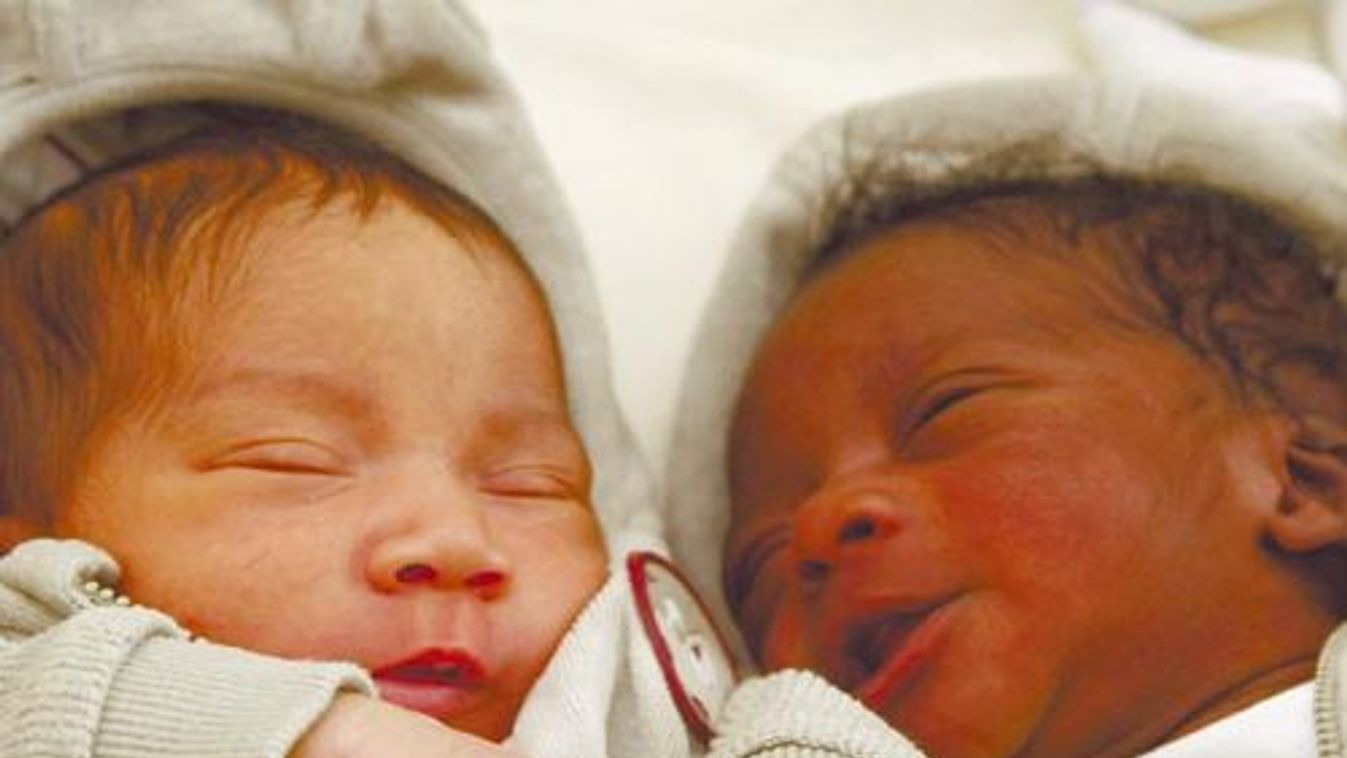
383, 301
299, 248
196, 238
947, 291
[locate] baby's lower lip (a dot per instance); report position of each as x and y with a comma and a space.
905, 662
438, 699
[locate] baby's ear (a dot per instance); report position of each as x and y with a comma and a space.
1312, 510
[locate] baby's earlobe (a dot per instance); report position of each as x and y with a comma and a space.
1312, 511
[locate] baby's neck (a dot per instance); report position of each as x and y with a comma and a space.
1231, 685
1260, 686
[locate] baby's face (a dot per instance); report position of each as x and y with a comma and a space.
999, 523
370, 458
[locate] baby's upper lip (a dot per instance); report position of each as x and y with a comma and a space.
446, 666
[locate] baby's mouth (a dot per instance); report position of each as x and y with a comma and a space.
453, 668
884, 652
870, 643
444, 684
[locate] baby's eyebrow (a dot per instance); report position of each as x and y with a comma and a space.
316, 388
930, 360
540, 429
900, 362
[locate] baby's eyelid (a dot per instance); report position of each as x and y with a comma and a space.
938, 402
536, 481
747, 568
284, 455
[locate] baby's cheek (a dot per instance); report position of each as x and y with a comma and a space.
1030, 511
561, 542
314, 624
557, 563
784, 642
281, 608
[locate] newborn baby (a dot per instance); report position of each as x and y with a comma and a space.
312, 403
1048, 471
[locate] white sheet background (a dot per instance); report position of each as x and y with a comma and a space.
662, 117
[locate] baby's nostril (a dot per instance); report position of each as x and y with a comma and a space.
857, 529
484, 579
812, 572
414, 573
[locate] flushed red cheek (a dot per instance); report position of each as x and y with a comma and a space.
1043, 508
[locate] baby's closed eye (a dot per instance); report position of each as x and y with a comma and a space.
542, 482
939, 402
966, 418
281, 456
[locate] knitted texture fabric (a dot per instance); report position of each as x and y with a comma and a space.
88, 680
603, 695
796, 714
792, 714
1330, 697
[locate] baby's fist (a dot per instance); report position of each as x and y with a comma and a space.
356, 726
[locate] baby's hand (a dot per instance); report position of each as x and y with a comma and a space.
356, 726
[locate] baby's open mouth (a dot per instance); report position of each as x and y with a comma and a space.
871, 643
884, 652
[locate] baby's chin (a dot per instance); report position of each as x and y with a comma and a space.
494, 722
973, 711
477, 711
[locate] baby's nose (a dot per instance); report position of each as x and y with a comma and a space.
424, 573
836, 524
456, 556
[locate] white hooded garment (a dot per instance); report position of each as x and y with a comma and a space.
416, 77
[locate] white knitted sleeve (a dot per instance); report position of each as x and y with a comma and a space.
796, 714
118, 682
